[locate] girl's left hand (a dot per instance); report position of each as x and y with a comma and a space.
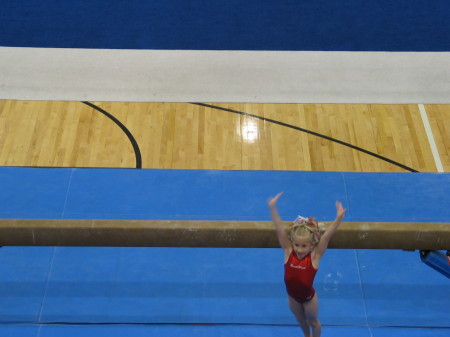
340, 210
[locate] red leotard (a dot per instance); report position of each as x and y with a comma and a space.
299, 277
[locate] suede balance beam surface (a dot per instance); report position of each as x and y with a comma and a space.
243, 234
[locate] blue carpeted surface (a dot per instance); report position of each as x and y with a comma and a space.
358, 289
206, 331
322, 25
220, 195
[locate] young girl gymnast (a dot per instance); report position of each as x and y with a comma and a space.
303, 247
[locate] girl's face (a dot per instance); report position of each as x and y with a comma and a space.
302, 245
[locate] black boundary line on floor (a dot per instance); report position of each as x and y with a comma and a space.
135, 145
149, 324
309, 132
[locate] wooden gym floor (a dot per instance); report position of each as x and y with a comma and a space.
223, 136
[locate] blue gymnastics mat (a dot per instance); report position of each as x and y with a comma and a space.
213, 286
164, 290
206, 331
220, 195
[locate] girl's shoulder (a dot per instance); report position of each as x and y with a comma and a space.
315, 260
287, 254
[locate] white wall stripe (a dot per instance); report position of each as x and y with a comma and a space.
429, 131
224, 76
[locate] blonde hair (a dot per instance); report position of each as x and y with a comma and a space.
308, 227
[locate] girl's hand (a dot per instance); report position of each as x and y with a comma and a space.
340, 210
273, 201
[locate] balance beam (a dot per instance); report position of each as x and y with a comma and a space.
232, 234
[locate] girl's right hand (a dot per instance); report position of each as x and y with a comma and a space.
273, 201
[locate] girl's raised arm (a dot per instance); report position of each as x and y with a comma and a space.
281, 232
331, 229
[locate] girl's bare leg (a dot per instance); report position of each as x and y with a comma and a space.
299, 313
311, 309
